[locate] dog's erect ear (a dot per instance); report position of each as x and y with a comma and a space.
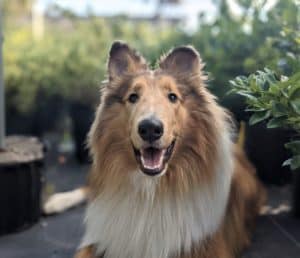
182, 61
124, 60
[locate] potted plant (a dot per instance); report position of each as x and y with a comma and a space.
83, 71
276, 101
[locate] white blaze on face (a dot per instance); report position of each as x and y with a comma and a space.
152, 158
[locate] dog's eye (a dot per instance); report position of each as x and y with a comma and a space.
133, 98
172, 97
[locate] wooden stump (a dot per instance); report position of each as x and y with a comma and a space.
20, 183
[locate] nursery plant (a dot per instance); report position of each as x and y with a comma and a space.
275, 100
273, 95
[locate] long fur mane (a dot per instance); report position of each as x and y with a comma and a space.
158, 217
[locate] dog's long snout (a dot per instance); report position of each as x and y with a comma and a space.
150, 130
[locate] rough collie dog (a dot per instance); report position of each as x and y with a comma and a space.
166, 179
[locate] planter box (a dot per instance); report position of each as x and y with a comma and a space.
265, 148
20, 183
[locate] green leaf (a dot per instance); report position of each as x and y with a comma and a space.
242, 80
296, 105
294, 146
259, 116
295, 94
232, 91
284, 93
255, 109
287, 162
295, 162
278, 109
270, 76
263, 84
233, 83
274, 89
276, 122
247, 95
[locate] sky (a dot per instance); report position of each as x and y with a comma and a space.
189, 9
132, 7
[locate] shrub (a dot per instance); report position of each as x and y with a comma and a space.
69, 62
276, 99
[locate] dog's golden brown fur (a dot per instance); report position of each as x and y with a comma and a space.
200, 201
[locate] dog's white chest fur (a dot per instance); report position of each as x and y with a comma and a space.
127, 225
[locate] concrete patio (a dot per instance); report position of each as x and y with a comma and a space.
277, 234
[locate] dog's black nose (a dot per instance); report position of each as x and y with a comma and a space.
150, 130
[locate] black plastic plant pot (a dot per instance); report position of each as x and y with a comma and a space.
36, 122
82, 117
265, 148
20, 183
296, 193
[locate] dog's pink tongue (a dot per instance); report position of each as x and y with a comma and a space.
152, 158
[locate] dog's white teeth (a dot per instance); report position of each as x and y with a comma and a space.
152, 160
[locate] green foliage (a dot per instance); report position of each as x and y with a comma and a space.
50, 67
275, 99
271, 99
69, 62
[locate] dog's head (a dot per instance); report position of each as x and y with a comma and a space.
147, 116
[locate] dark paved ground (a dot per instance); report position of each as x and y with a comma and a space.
276, 236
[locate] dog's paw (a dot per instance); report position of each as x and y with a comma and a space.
60, 202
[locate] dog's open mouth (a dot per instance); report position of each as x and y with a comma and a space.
153, 160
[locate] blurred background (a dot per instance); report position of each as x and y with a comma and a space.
54, 60
55, 52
